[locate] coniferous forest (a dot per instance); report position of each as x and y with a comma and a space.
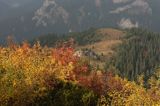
139, 54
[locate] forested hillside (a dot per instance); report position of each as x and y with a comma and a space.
139, 54
35, 75
97, 45
82, 38
98, 67
132, 52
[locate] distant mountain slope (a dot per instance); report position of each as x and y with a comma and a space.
84, 38
104, 49
96, 44
110, 38
132, 52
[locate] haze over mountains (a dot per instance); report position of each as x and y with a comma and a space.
30, 18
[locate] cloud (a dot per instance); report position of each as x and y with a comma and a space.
136, 7
49, 13
127, 23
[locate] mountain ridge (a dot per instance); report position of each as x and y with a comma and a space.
41, 17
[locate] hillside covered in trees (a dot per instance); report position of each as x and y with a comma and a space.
35, 75
138, 54
53, 74
131, 52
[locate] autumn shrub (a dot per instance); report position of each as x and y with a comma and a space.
115, 91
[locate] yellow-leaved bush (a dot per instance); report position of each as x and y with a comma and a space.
24, 71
